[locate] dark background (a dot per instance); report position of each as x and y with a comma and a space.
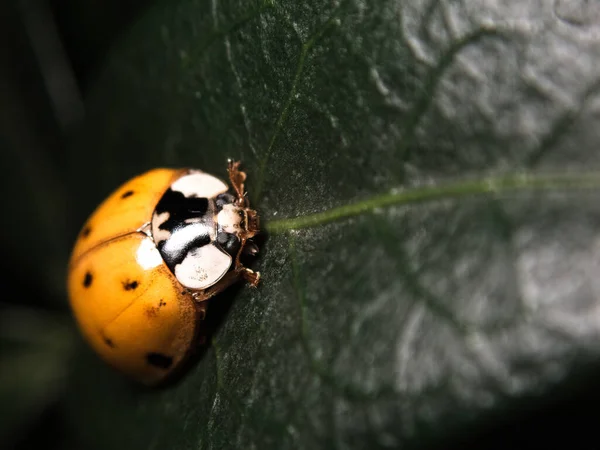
50, 51
50, 54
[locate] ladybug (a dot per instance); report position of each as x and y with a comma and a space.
149, 257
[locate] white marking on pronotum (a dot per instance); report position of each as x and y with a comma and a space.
181, 236
157, 232
199, 185
203, 267
147, 254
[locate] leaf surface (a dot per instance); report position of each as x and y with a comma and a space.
437, 159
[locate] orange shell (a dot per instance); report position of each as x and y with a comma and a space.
128, 304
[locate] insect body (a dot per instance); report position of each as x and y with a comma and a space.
147, 260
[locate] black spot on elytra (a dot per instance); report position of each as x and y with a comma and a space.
86, 231
162, 303
159, 360
130, 285
87, 280
127, 194
109, 342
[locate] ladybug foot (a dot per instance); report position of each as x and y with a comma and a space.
251, 276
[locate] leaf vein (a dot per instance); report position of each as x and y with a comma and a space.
431, 81
218, 34
305, 50
340, 387
493, 185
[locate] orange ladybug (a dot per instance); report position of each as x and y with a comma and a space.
149, 257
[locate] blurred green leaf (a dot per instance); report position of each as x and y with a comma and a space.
453, 274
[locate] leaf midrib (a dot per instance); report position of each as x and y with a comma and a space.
485, 186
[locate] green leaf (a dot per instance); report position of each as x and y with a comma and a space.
426, 172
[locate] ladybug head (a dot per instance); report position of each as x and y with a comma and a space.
238, 220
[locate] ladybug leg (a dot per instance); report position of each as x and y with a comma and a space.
230, 278
250, 276
225, 282
201, 311
237, 178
